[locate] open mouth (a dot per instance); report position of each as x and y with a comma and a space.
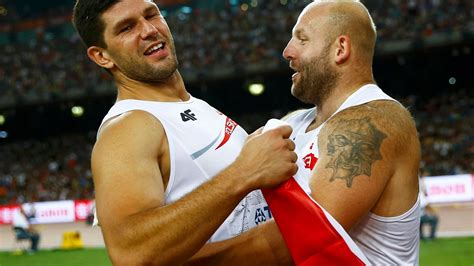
296, 74
155, 49
294, 68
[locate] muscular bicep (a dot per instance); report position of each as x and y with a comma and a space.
353, 167
125, 168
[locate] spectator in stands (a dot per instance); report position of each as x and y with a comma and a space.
23, 229
430, 218
57, 169
31, 215
428, 215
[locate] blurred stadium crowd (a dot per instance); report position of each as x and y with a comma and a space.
48, 63
48, 170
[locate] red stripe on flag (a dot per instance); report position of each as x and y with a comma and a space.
309, 235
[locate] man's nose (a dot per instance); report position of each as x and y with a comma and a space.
148, 29
288, 53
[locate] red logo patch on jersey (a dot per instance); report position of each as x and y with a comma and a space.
230, 126
310, 161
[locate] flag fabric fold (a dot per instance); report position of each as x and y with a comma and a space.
312, 235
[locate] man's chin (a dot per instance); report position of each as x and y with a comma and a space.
293, 89
300, 95
296, 91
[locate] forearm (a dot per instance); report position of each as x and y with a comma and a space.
262, 245
171, 234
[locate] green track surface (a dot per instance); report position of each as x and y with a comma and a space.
83, 257
448, 251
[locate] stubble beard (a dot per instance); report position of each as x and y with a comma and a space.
146, 72
317, 80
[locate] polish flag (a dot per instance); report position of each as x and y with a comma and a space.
312, 235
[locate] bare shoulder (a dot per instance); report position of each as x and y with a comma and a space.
373, 124
358, 137
365, 151
136, 128
129, 139
131, 123
125, 168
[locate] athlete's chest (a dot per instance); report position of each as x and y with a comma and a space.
209, 138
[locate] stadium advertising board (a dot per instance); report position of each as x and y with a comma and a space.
54, 212
440, 189
446, 189
51, 211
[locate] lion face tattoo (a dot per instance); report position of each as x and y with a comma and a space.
354, 146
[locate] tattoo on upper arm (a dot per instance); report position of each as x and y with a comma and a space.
354, 145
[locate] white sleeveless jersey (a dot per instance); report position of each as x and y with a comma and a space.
202, 142
384, 240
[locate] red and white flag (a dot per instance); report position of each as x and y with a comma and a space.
312, 235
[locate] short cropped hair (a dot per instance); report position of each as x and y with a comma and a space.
87, 19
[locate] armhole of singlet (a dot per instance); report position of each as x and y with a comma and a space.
105, 122
400, 217
171, 147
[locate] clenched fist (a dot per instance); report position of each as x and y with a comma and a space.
267, 159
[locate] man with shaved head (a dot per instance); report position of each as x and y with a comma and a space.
358, 147
358, 150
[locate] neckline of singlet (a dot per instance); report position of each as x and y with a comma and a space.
190, 100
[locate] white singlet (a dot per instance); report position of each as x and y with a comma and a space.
202, 142
384, 240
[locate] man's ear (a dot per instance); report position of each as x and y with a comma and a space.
100, 57
343, 49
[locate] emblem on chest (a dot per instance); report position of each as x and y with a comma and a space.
310, 159
230, 126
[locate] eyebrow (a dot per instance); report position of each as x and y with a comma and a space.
151, 9
117, 27
298, 32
